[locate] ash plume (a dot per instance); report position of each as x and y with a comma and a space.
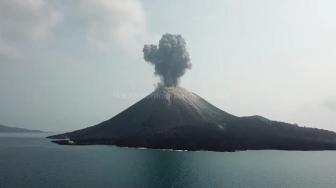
170, 58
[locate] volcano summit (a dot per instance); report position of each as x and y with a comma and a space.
173, 118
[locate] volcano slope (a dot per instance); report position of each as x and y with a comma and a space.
174, 118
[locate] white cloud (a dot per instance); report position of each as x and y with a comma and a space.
331, 105
23, 22
113, 21
27, 23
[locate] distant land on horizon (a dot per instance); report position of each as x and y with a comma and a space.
8, 129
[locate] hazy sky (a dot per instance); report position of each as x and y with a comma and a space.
66, 65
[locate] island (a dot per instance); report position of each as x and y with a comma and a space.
7, 129
172, 117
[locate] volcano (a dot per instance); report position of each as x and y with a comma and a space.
174, 118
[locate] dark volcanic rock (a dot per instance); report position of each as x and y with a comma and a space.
173, 118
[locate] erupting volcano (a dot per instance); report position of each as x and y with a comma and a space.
173, 118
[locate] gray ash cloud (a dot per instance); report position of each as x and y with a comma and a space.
170, 58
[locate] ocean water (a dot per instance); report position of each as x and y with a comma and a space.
31, 161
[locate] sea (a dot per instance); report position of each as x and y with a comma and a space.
32, 161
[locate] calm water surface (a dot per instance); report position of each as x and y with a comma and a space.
31, 161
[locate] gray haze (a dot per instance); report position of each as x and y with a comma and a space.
66, 65
171, 58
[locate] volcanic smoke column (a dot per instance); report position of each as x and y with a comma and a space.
171, 58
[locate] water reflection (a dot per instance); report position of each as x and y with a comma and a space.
36, 162
165, 169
